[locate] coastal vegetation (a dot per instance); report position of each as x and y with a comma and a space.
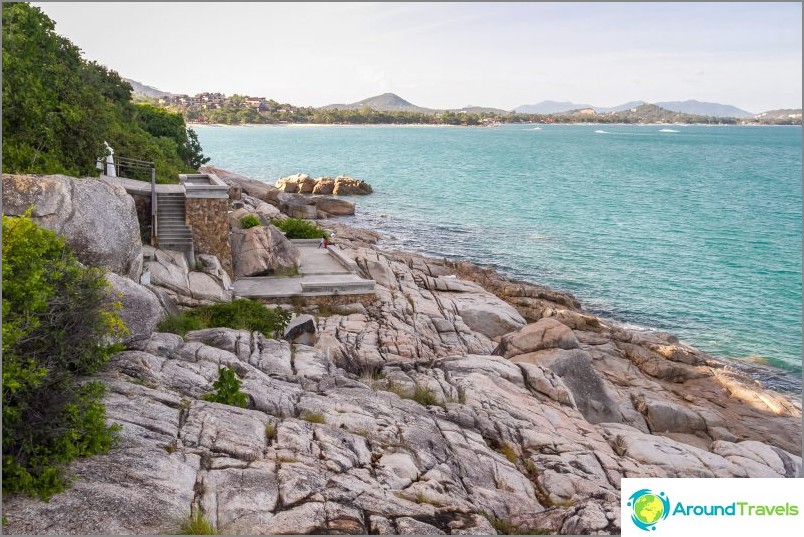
296, 228
227, 389
57, 320
240, 314
59, 108
239, 110
249, 221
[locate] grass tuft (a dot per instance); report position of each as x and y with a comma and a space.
314, 417
197, 525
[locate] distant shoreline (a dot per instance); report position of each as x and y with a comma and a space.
419, 125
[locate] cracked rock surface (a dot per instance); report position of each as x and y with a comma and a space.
455, 399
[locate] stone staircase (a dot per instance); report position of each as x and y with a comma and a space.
173, 233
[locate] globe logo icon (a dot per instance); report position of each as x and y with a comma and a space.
648, 508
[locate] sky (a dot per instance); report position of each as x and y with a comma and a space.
450, 55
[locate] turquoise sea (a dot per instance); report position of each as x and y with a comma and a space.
694, 230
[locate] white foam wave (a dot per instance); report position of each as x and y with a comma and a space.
536, 128
667, 130
602, 132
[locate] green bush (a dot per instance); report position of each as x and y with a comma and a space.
296, 228
56, 317
249, 221
241, 314
227, 389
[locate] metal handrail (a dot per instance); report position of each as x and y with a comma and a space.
124, 167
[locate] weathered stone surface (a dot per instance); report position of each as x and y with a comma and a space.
546, 333
574, 367
262, 250
400, 420
334, 206
141, 309
98, 220
301, 329
170, 272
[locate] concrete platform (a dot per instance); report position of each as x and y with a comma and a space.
322, 272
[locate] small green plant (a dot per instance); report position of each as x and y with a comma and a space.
270, 432
227, 389
296, 228
424, 396
530, 467
421, 394
314, 417
240, 314
250, 221
285, 458
509, 453
197, 525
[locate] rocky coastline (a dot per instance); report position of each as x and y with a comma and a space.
456, 402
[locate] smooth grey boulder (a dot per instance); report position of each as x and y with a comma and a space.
141, 308
262, 250
98, 220
302, 329
334, 206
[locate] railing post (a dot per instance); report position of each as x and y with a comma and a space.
154, 241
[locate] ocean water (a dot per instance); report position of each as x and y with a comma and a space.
694, 230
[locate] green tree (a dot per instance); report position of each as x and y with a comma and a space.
59, 108
56, 317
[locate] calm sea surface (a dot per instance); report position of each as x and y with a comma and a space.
696, 231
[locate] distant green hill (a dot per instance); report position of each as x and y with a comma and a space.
387, 102
59, 108
784, 113
704, 109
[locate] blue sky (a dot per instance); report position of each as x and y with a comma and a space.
446, 55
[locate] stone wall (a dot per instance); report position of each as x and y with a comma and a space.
208, 218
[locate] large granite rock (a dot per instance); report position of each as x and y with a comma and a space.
190, 288
546, 333
98, 220
334, 206
262, 250
141, 308
302, 329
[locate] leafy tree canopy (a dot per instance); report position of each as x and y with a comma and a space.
59, 108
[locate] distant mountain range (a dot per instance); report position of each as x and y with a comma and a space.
390, 102
685, 107
550, 107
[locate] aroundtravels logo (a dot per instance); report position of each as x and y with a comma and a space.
648, 508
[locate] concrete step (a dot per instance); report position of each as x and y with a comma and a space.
174, 233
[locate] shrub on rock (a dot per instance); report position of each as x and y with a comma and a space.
56, 319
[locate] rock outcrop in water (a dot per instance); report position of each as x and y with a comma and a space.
340, 186
456, 402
